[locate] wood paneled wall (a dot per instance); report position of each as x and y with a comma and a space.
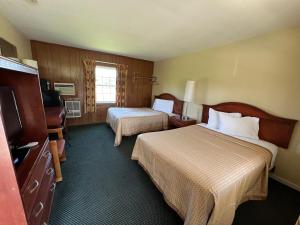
59, 63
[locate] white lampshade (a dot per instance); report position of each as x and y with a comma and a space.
189, 91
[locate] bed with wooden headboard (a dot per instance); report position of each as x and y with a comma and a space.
178, 104
205, 175
130, 121
274, 129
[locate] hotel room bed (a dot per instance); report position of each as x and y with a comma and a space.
130, 121
204, 175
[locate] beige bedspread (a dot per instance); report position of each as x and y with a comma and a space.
203, 175
130, 121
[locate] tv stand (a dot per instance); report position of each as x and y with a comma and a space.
27, 189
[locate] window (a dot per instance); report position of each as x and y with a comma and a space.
106, 84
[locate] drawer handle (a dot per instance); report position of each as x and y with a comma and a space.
52, 186
41, 207
33, 186
49, 171
47, 154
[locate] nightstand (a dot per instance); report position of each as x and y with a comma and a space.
176, 121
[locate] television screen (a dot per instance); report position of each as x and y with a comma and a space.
10, 115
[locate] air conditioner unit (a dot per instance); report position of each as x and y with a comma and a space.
65, 88
73, 108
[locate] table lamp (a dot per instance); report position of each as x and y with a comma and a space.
188, 95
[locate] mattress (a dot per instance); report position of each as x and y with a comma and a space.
204, 175
130, 121
271, 147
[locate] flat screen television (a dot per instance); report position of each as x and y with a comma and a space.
10, 116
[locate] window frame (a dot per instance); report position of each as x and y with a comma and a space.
106, 102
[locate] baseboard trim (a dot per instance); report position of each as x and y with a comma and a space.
285, 182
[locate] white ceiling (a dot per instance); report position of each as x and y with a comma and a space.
149, 29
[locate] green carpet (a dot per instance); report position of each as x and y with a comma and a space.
102, 185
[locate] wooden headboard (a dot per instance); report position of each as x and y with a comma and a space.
178, 104
273, 129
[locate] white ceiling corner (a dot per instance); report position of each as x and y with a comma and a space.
148, 29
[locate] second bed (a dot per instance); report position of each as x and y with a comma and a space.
130, 121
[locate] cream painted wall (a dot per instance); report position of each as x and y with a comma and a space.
262, 71
12, 35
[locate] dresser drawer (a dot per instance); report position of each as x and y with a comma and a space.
47, 210
31, 191
176, 121
41, 202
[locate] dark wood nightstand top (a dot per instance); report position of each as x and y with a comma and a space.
177, 121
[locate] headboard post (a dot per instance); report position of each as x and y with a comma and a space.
178, 104
276, 130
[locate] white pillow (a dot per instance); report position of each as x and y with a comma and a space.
163, 105
242, 127
213, 118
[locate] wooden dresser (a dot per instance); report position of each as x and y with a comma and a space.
26, 191
37, 192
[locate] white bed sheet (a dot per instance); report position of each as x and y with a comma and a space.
129, 121
271, 147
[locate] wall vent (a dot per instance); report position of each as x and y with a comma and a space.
65, 88
73, 109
